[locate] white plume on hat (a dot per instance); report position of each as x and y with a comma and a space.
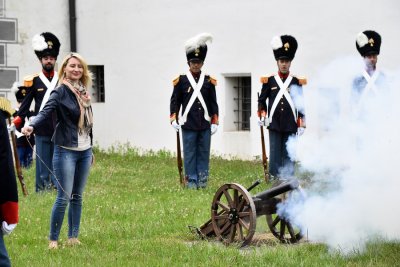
276, 42
362, 39
39, 43
197, 41
14, 87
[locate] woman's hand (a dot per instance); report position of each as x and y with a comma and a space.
27, 130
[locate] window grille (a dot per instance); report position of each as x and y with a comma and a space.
242, 103
98, 92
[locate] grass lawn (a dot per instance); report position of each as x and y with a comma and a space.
136, 214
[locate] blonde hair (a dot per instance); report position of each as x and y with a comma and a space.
86, 78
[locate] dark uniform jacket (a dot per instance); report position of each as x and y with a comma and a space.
181, 95
8, 183
22, 141
283, 119
37, 90
64, 102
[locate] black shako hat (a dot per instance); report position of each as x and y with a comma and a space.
20, 91
284, 47
196, 47
368, 43
46, 44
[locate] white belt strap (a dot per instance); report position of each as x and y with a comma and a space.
196, 94
282, 92
370, 82
49, 85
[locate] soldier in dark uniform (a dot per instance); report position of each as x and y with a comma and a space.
24, 144
47, 47
195, 93
8, 183
280, 107
371, 81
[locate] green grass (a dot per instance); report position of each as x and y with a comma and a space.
136, 214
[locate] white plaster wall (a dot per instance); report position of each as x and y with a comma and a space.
36, 17
141, 45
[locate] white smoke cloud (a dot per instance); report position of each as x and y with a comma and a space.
354, 194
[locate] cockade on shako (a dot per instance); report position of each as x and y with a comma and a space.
234, 213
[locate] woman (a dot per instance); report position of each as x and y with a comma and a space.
73, 141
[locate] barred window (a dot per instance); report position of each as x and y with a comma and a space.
98, 92
238, 103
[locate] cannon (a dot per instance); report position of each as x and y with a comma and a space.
234, 213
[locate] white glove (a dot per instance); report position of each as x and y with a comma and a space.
31, 118
300, 131
263, 122
214, 128
176, 126
11, 127
28, 121
7, 228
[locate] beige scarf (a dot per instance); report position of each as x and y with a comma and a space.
83, 97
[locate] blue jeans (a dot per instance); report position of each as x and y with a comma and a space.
4, 260
196, 151
72, 170
280, 164
44, 150
25, 156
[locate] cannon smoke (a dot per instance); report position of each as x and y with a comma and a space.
352, 192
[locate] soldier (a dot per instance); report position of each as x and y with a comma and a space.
283, 115
24, 144
47, 47
195, 93
368, 44
8, 183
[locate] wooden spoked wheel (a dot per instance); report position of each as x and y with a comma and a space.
233, 214
281, 227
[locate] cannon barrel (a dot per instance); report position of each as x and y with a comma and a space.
234, 214
275, 191
253, 185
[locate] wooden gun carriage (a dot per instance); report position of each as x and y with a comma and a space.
234, 213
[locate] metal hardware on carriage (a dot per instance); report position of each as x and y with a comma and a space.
234, 214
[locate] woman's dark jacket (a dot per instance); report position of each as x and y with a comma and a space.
64, 102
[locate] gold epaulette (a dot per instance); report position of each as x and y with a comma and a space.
302, 80
176, 80
172, 117
28, 80
213, 81
6, 106
264, 79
